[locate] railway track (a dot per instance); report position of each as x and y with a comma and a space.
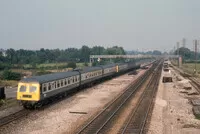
101, 122
12, 117
24, 112
137, 121
193, 81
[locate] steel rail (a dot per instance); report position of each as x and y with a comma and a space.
152, 85
151, 104
12, 117
90, 127
193, 81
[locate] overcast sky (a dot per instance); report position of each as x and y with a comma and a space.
133, 24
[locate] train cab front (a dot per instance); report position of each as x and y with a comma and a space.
28, 93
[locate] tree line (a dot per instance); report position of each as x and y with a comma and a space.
187, 54
33, 57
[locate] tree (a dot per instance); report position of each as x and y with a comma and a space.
149, 52
72, 54
115, 51
97, 50
2, 58
184, 52
10, 55
156, 52
85, 53
9, 75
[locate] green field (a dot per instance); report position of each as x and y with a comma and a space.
189, 67
46, 65
53, 65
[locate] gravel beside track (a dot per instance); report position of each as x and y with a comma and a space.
101, 123
137, 121
7, 119
193, 80
66, 116
172, 112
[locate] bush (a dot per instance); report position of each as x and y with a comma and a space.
9, 75
4, 66
86, 64
94, 64
71, 65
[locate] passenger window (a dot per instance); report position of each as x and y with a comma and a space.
61, 83
44, 88
64, 82
68, 81
58, 84
22, 88
33, 89
49, 87
53, 85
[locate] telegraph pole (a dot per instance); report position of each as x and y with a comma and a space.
178, 52
184, 43
195, 47
177, 48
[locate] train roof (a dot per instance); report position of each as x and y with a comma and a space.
90, 69
109, 65
50, 77
121, 63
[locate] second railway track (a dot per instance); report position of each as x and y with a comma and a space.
137, 121
12, 117
194, 82
101, 122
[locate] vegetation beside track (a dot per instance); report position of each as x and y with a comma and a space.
7, 103
10, 83
189, 68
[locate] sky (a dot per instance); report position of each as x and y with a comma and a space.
142, 25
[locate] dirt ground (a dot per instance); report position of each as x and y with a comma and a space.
172, 113
58, 119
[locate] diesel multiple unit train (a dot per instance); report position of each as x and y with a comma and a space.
34, 91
